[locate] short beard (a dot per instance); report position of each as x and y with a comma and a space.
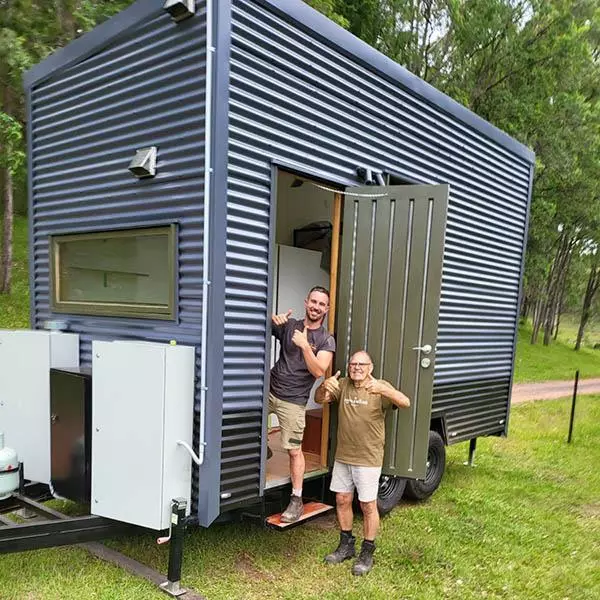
308, 318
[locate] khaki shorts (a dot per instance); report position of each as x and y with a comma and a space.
292, 419
345, 478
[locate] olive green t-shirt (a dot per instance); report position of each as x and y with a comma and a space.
361, 425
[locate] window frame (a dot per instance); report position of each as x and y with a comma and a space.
115, 309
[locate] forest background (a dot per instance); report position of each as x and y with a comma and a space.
530, 67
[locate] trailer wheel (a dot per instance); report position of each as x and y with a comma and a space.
421, 489
390, 492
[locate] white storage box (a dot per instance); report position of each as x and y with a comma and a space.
142, 405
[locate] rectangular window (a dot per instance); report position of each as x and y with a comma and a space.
115, 273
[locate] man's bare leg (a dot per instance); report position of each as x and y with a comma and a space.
297, 467
370, 519
343, 508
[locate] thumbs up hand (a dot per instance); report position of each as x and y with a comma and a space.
332, 384
373, 386
282, 318
300, 338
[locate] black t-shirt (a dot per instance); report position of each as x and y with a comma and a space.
290, 378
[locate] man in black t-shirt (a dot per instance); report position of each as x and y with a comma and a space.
306, 354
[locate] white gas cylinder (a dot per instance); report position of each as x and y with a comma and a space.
9, 470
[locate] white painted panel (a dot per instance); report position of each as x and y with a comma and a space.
142, 403
179, 425
25, 360
128, 382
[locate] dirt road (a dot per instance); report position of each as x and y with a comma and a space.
525, 392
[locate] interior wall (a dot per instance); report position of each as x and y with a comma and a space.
299, 206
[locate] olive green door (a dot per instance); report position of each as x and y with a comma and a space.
388, 303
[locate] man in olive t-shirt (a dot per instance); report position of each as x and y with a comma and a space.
363, 401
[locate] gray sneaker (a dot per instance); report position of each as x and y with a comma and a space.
294, 510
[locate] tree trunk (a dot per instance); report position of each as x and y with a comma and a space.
561, 302
537, 321
590, 291
65, 19
525, 306
7, 258
557, 324
555, 284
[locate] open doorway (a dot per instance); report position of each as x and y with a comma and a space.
305, 255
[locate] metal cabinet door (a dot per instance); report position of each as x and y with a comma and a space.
389, 295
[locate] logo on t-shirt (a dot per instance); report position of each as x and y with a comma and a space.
355, 401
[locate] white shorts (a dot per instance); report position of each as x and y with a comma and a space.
345, 478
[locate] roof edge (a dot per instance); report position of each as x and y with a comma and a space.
310, 19
91, 41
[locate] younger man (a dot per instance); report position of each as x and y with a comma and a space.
306, 353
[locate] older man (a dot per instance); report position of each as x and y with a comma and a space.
306, 353
363, 401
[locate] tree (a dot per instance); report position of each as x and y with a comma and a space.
328, 8
588, 298
14, 58
11, 159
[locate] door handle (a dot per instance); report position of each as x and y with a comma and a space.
426, 349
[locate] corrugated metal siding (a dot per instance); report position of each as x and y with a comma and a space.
145, 88
296, 99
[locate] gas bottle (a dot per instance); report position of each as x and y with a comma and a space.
9, 470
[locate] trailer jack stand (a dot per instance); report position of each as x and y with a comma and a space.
176, 536
472, 447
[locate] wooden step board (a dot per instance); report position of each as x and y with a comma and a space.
311, 510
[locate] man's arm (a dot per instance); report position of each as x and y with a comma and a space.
329, 390
317, 365
281, 319
387, 390
278, 324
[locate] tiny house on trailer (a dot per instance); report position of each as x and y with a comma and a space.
196, 166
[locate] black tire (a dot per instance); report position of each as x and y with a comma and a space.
421, 489
390, 493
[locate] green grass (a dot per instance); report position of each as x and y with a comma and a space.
523, 524
14, 308
553, 362
569, 325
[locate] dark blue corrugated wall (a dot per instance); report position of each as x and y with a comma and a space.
145, 87
297, 99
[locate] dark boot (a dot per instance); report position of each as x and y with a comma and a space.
364, 562
344, 550
294, 510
